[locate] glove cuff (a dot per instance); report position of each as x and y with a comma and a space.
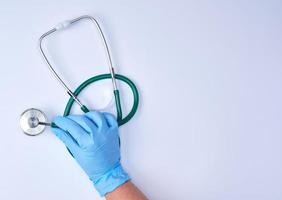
111, 180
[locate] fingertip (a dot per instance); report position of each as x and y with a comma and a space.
59, 133
58, 120
66, 139
111, 119
92, 113
110, 115
65, 123
97, 118
84, 121
55, 131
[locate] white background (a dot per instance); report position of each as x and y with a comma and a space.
209, 125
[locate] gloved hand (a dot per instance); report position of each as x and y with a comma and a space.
93, 140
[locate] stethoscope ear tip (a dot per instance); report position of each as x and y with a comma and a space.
33, 121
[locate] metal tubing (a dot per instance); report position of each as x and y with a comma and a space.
63, 26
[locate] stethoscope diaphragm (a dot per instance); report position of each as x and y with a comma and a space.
33, 121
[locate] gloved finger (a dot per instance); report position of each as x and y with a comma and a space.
98, 118
111, 120
74, 129
66, 139
83, 121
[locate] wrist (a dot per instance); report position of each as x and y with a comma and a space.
111, 180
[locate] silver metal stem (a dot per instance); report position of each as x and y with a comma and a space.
44, 123
52, 69
106, 47
63, 26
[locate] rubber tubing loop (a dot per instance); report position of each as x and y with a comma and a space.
126, 80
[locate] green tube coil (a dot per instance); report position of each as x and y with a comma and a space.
122, 78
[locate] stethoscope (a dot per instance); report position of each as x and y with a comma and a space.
33, 121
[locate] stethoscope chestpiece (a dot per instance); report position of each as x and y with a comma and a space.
33, 121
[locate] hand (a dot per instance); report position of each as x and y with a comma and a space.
93, 140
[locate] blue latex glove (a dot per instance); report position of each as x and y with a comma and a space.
93, 140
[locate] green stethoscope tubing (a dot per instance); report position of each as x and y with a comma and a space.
93, 79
